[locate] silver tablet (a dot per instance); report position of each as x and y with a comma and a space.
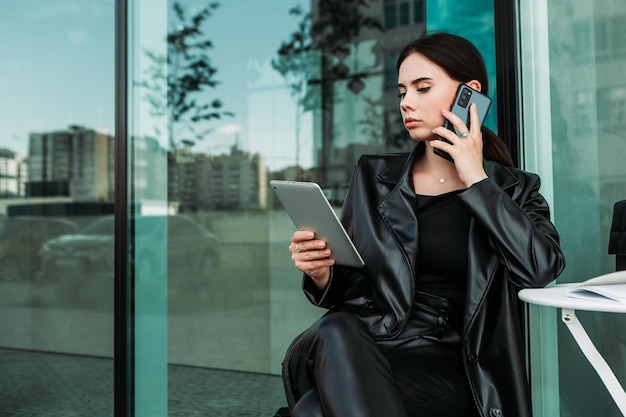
309, 209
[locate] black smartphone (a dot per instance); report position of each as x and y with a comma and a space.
465, 96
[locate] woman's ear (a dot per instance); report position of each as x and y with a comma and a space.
475, 84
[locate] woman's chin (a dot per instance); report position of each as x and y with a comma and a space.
422, 138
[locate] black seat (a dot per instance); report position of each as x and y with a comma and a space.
617, 237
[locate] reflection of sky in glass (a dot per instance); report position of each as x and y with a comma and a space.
247, 35
57, 69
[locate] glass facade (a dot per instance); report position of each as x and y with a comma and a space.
222, 97
56, 180
573, 90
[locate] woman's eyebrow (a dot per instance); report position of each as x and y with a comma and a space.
416, 81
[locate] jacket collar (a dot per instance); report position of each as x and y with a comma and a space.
402, 167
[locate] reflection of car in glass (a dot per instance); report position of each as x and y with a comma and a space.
192, 253
20, 241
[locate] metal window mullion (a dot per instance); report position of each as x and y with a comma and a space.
123, 358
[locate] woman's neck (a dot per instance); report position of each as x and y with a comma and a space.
433, 175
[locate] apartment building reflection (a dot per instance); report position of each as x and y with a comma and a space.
12, 174
77, 165
77, 162
205, 182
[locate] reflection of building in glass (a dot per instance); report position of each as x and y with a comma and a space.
610, 55
358, 79
588, 118
593, 50
11, 174
341, 171
22, 174
237, 181
182, 178
150, 170
76, 163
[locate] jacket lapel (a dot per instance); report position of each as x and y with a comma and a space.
397, 210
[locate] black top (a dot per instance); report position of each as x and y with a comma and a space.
442, 256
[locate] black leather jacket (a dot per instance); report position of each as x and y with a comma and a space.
512, 245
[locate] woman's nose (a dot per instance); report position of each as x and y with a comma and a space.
406, 103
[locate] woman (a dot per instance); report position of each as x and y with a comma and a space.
431, 326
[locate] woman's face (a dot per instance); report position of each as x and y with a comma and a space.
425, 89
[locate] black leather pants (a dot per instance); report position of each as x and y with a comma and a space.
336, 369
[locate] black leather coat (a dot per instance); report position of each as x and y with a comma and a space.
512, 245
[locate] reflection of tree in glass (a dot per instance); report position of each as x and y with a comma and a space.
295, 64
396, 136
373, 121
175, 81
330, 33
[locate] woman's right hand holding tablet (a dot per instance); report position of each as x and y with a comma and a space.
311, 256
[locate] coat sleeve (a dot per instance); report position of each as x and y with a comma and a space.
519, 229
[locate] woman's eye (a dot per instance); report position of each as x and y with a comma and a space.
423, 89
401, 94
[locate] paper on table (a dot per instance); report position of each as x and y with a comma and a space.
609, 287
614, 292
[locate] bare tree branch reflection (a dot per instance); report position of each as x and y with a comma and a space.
315, 55
177, 83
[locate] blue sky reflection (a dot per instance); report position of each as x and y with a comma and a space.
58, 69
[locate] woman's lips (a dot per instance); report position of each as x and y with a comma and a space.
410, 122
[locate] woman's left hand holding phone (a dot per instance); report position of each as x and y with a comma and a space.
311, 256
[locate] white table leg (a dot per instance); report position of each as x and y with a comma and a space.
595, 359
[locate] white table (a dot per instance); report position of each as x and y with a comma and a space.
556, 296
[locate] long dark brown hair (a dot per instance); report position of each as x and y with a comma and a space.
462, 61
